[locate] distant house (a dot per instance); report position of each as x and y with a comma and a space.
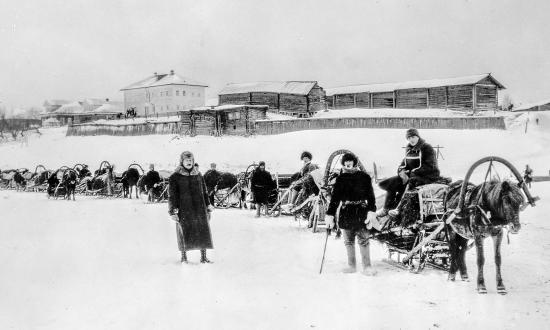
164, 93
83, 111
295, 98
537, 106
52, 105
477, 92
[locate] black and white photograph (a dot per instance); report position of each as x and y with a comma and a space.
244, 164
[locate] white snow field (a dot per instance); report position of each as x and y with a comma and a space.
113, 264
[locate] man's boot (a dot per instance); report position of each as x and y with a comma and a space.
365, 258
183, 257
258, 209
352, 264
204, 259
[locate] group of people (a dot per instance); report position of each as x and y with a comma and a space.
352, 206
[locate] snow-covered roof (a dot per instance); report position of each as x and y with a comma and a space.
527, 106
226, 107
164, 79
390, 87
70, 108
109, 108
56, 102
285, 87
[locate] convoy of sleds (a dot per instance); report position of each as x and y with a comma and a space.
103, 182
418, 237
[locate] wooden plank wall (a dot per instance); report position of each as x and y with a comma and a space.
460, 97
269, 99
416, 98
486, 97
316, 99
268, 127
344, 101
438, 97
127, 129
293, 103
382, 100
362, 100
241, 98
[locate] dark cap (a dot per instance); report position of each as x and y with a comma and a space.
412, 132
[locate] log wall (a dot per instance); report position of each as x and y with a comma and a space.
412, 98
344, 101
242, 98
460, 97
382, 100
486, 97
294, 104
269, 99
362, 100
437, 97
316, 99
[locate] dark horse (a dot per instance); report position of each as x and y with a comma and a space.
69, 181
492, 206
216, 180
130, 179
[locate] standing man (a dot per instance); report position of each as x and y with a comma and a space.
354, 195
419, 167
261, 185
152, 182
189, 206
528, 175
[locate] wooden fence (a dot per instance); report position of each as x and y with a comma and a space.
170, 127
268, 127
19, 123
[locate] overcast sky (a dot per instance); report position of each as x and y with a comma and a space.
75, 49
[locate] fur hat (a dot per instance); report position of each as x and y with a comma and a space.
349, 157
412, 132
306, 154
261, 163
186, 155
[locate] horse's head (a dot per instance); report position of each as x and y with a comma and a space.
506, 200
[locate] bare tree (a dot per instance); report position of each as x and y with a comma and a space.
507, 102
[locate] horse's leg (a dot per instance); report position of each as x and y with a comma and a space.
463, 247
497, 240
137, 191
480, 262
453, 249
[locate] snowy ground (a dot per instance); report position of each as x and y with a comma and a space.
100, 263
113, 264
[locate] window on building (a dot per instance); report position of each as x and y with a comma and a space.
167, 107
192, 94
183, 93
237, 115
177, 93
178, 107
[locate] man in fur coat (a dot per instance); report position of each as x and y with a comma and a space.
354, 194
419, 167
261, 185
189, 206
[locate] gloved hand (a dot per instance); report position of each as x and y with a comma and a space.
210, 208
156, 185
329, 220
372, 221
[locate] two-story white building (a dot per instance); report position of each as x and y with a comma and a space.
164, 93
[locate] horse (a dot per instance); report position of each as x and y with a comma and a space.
53, 183
216, 181
130, 179
68, 182
492, 206
19, 179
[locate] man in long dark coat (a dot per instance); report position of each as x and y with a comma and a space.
152, 183
261, 185
354, 195
189, 206
419, 167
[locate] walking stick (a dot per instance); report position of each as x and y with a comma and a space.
324, 251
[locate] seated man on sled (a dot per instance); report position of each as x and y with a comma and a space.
419, 167
305, 185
